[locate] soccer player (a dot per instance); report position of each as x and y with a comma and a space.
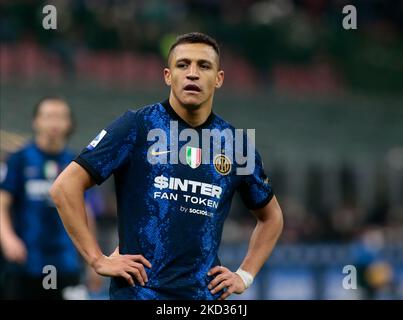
32, 234
170, 214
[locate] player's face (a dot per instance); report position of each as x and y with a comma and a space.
193, 74
53, 119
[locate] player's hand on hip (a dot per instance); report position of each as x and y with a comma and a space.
225, 278
14, 249
123, 265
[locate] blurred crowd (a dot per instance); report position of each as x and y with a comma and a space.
288, 41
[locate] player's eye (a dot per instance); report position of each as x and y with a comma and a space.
205, 66
181, 65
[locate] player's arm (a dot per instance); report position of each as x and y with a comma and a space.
67, 193
12, 246
264, 237
93, 279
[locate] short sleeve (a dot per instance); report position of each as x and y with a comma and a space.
111, 148
11, 175
255, 189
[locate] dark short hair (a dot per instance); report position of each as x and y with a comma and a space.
38, 104
37, 107
195, 37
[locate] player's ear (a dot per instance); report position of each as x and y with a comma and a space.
167, 76
219, 79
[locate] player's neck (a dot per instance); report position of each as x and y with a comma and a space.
194, 117
48, 144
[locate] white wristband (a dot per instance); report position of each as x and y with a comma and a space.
246, 277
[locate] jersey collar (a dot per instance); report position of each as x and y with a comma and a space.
172, 112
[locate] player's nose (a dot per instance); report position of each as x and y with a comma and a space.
193, 73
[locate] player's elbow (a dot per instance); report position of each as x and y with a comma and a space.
56, 192
279, 220
274, 218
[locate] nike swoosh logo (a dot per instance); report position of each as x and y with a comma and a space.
157, 153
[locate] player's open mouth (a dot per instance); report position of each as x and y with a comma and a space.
191, 88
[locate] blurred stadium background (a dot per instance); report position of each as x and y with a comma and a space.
326, 103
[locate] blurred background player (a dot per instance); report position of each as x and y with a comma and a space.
32, 235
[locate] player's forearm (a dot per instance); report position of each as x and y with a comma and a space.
262, 242
69, 200
91, 220
6, 227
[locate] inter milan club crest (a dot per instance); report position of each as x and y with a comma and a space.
222, 164
193, 157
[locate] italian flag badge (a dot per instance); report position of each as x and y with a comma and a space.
193, 157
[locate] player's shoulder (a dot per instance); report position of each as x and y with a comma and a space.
141, 113
147, 110
135, 118
221, 123
224, 125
